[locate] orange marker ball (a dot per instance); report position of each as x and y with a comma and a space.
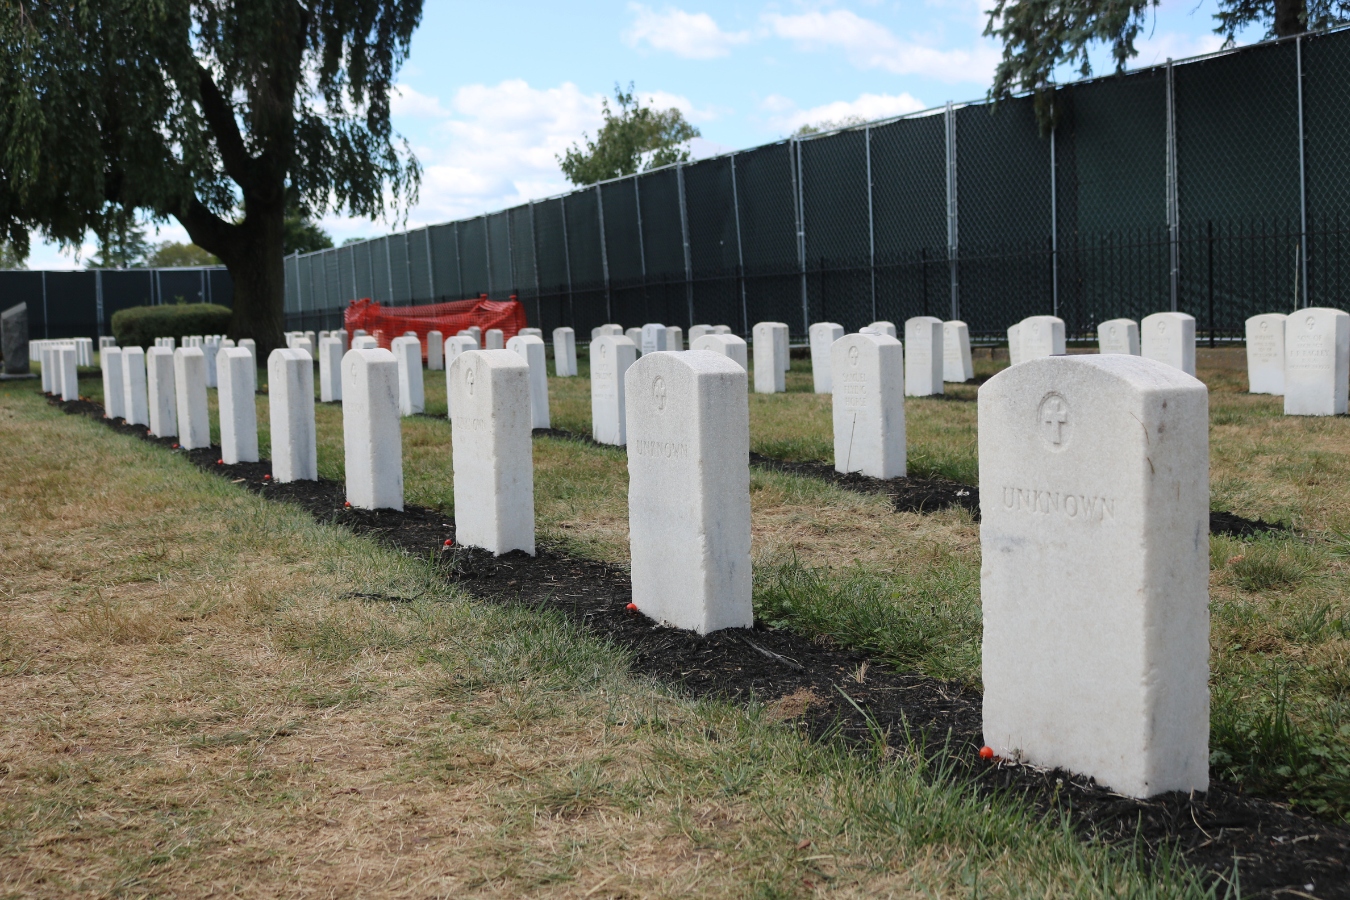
986, 753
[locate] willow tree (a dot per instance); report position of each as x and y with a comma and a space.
218, 113
1039, 36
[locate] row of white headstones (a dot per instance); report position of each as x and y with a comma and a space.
1094, 501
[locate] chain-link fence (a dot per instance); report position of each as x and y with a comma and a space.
1219, 186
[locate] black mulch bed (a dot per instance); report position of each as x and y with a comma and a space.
929, 494
1278, 852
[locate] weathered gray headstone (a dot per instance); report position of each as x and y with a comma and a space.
14, 339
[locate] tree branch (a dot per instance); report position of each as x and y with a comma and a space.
208, 230
220, 116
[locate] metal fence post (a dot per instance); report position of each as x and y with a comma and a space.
567, 264
459, 266
98, 298
642, 249
740, 252
1173, 214
871, 225
431, 264
487, 252
1054, 228
795, 158
604, 249
953, 244
1302, 182
511, 255
46, 319
388, 267
684, 235
534, 258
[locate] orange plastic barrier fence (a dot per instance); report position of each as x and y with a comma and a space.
385, 323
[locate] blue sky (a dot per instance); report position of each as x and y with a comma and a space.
493, 92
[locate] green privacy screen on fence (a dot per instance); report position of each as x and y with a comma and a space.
1219, 186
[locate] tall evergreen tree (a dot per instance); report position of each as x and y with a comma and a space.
196, 109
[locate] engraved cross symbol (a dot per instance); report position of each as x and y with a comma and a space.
468, 378
659, 390
1055, 415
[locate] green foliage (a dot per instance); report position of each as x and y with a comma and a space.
121, 244
197, 110
829, 125
11, 257
1040, 36
1257, 741
634, 137
304, 236
171, 253
138, 326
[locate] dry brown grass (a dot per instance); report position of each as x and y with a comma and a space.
191, 708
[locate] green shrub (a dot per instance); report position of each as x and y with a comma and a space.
138, 326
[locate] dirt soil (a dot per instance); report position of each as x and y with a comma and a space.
1276, 850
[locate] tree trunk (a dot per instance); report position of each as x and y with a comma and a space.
1290, 17
253, 254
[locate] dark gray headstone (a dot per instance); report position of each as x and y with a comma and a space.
14, 339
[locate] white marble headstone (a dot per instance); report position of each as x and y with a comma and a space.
189, 380
372, 433
435, 351
238, 410
1094, 500
884, 327
770, 340
689, 490
493, 458
653, 338
454, 346
531, 349
1118, 336
728, 345
698, 331
634, 335
821, 336
923, 356
290, 402
1039, 336
674, 337
564, 352
957, 365
161, 398
1169, 337
1265, 353
111, 360
610, 358
493, 340
869, 405
136, 403
411, 390
330, 369
1316, 362
1014, 344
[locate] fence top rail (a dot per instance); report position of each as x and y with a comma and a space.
875, 123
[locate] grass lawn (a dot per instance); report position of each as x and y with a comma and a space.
905, 587
197, 703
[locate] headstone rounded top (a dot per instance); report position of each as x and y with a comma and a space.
1138, 371
185, 351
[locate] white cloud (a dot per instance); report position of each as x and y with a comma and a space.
788, 118
690, 35
491, 146
871, 45
408, 101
